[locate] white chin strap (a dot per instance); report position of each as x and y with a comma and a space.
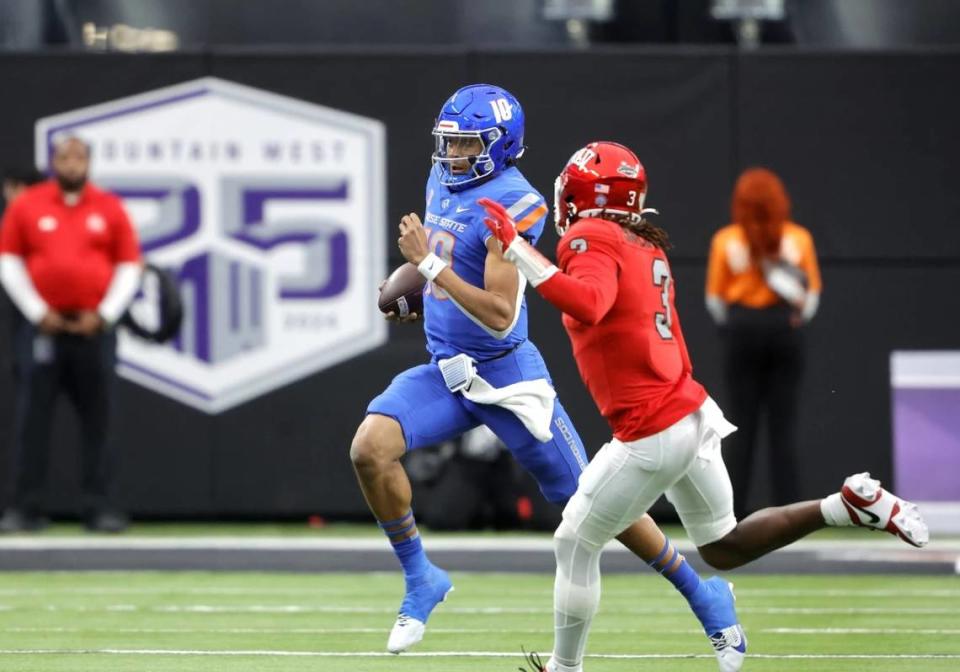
535, 267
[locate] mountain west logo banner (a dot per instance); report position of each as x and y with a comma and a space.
270, 213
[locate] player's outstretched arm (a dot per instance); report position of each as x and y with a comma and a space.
494, 305
586, 292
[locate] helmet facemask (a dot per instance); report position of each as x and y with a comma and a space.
564, 209
456, 167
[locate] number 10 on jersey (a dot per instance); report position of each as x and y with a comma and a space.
441, 244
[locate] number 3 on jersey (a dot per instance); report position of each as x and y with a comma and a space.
661, 278
441, 244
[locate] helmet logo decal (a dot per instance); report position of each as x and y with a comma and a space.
582, 157
627, 170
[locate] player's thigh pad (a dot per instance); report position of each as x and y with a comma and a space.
624, 480
427, 411
703, 496
555, 464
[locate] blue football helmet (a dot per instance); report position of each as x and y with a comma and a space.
480, 112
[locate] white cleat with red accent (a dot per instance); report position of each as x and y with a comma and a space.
869, 505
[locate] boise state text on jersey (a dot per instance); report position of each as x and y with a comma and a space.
457, 234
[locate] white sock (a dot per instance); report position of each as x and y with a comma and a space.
834, 512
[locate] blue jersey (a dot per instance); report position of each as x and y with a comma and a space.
457, 234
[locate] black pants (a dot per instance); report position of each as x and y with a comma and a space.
84, 369
11, 318
764, 362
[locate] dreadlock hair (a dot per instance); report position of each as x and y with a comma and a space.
642, 227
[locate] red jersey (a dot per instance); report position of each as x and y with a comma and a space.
616, 292
69, 250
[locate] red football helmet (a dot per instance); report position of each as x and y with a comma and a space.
602, 178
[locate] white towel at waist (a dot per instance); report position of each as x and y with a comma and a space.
712, 422
530, 400
713, 419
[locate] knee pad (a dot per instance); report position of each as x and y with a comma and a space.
566, 537
577, 558
577, 586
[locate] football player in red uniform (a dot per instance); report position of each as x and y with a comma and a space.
614, 286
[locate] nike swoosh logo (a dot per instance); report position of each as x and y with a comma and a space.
459, 209
874, 518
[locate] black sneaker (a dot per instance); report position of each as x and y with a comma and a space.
21, 520
107, 521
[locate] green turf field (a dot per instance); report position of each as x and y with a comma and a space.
161, 622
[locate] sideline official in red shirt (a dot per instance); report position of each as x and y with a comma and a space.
70, 261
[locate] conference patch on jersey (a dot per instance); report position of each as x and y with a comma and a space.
270, 212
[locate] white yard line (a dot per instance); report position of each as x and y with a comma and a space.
300, 631
474, 544
324, 609
861, 631
461, 654
946, 593
466, 631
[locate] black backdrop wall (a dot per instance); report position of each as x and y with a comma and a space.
866, 143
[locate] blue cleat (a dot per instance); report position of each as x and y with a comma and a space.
713, 603
423, 594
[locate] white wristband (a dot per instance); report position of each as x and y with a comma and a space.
536, 267
431, 266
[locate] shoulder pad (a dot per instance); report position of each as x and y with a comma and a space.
591, 235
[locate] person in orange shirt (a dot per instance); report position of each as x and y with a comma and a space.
763, 286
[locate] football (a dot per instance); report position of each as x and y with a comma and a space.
402, 292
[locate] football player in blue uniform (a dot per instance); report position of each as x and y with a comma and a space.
483, 368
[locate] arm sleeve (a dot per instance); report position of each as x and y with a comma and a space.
123, 287
587, 291
587, 286
16, 280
